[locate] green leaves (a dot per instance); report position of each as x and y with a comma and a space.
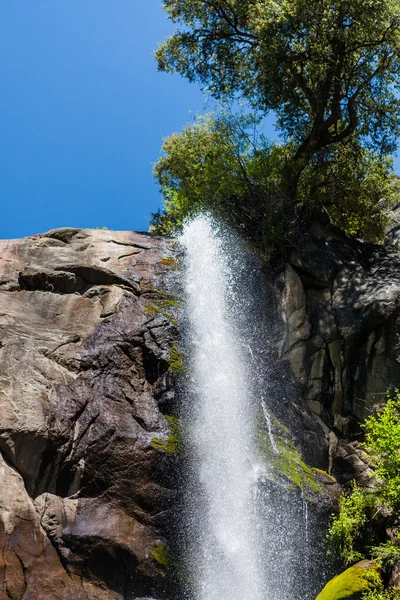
364, 514
382, 441
346, 528
220, 163
327, 69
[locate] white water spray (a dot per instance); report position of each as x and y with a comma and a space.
247, 526
219, 424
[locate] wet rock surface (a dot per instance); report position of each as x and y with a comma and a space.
85, 495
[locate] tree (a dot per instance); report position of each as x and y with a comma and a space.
221, 164
329, 69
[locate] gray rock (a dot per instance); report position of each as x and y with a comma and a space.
85, 495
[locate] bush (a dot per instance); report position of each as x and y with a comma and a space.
382, 441
364, 517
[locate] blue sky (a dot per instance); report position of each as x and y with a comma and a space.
83, 111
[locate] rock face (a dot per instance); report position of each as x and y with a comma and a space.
86, 486
340, 330
88, 461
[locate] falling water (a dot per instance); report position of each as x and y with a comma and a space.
220, 428
271, 436
244, 526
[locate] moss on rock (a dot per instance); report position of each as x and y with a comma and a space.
353, 583
286, 461
160, 555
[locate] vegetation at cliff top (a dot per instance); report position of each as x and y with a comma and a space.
329, 71
367, 523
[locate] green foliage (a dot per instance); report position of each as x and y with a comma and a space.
166, 306
354, 186
328, 69
173, 443
382, 441
391, 594
347, 526
364, 515
175, 361
219, 163
387, 553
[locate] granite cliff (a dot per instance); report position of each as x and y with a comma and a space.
86, 492
88, 468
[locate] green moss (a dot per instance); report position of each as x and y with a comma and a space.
352, 583
165, 306
286, 463
160, 555
168, 262
324, 473
175, 361
172, 444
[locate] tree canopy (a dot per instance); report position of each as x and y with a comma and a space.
221, 163
329, 69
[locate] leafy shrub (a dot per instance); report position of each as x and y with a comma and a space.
347, 527
382, 441
364, 516
392, 594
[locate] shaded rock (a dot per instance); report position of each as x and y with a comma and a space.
353, 463
339, 332
394, 580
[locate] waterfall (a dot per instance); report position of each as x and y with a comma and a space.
247, 529
220, 428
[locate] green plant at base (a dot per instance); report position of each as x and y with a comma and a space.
391, 594
382, 442
387, 553
346, 527
364, 514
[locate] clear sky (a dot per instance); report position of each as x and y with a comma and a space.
83, 111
